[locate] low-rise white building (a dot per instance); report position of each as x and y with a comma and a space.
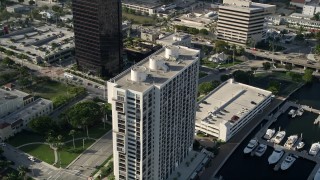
11, 100
146, 8
311, 9
219, 57
229, 108
196, 20
177, 39
18, 8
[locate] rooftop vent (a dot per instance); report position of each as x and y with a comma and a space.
157, 63
172, 51
138, 74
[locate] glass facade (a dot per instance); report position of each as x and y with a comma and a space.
98, 36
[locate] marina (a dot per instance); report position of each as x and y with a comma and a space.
301, 127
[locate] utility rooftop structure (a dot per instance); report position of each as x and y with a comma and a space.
178, 39
229, 107
153, 113
241, 21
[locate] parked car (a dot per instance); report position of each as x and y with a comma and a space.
31, 158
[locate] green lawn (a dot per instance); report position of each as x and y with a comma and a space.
49, 89
40, 151
138, 19
25, 137
68, 156
287, 85
202, 74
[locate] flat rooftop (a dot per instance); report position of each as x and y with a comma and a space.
169, 39
9, 95
25, 112
246, 5
229, 102
144, 4
38, 41
186, 56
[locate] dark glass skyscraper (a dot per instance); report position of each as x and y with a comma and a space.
98, 36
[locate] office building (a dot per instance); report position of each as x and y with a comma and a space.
153, 113
98, 36
242, 21
229, 107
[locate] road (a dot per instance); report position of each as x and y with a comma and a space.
93, 156
39, 170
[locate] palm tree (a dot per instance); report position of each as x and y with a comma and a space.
23, 170
11, 176
72, 133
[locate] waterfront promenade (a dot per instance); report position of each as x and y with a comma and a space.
227, 149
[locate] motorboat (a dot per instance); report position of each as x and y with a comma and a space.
269, 134
261, 149
315, 147
300, 145
294, 115
291, 141
300, 111
252, 144
291, 112
287, 162
317, 176
275, 156
279, 137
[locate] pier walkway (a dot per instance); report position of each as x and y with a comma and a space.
314, 171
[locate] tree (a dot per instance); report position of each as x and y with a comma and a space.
7, 61
42, 125
317, 49
196, 145
205, 87
23, 170
242, 76
308, 77
11, 176
288, 67
221, 46
72, 133
318, 36
316, 16
204, 32
31, 2
83, 114
21, 1
299, 37
215, 84
274, 87
224, 77
266, 66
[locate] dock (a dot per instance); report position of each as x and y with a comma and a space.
314, 171
278, 165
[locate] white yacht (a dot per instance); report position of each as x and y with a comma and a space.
275, 156
291, 112
291, 140
252, 144
300, 111
300, 145
261, 149
294, 115
317, 176
315, 147
269, 134
287, 162
279, 137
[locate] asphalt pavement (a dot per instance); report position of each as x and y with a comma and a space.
39, 170
94, 156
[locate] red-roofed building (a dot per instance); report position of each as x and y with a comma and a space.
297, 3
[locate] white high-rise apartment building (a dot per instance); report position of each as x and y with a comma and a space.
241, 20
153, 113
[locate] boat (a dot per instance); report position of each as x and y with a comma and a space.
300, 145
300, 111
291, 141
315, 147
287, 162
294, 115
317, 176
252, 144
291, 112
269, 134
279, 137
275, 156
261, 149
